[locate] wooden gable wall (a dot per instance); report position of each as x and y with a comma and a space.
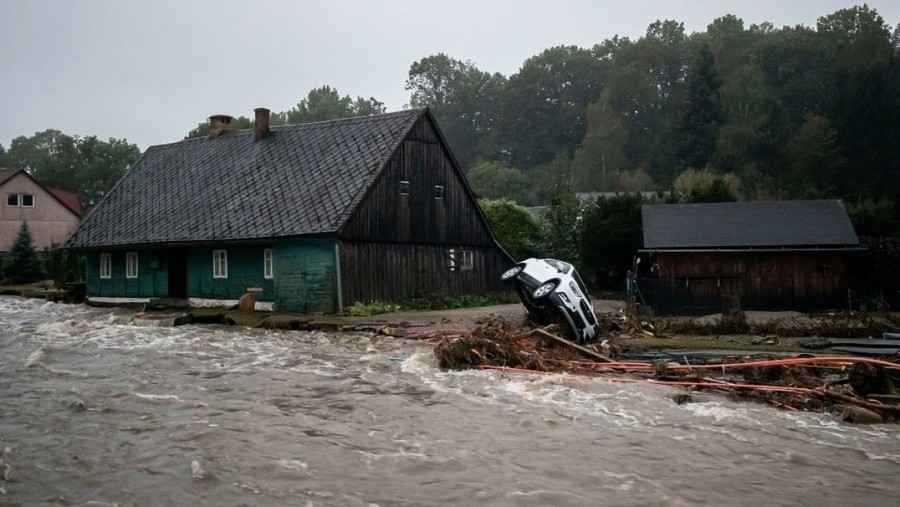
385, 215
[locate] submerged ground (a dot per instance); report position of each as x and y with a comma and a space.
276, 418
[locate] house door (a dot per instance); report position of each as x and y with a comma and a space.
178, 274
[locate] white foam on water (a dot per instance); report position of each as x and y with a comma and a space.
293, 464
159, 397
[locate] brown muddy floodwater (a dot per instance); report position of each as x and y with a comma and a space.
303, 418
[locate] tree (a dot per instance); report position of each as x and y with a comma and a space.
465, 101
702, 113
562, 228
202, 128
23, 264
602, 154
513, 226
545, 101
3, 157
611, 237
704, 185
717, 191
814, 161
493, 180
323, 103
858, 36
87, 165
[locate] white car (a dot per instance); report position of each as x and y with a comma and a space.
548, 288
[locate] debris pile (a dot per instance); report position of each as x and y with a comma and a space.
497, 343
860, 389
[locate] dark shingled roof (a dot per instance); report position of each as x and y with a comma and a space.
776, 224
299, 180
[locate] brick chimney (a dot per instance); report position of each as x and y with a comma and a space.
262, 123
220, 124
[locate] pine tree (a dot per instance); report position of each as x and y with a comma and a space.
23, 264
702, 113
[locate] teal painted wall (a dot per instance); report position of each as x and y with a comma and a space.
245, 270
152, 280
305, 276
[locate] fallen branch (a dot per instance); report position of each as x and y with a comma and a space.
584, 350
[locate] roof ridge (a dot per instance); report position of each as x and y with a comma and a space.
348, 119
285, 126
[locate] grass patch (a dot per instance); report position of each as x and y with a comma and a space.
442, 302
371, 308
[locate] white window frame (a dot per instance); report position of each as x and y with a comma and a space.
220, 271
466, 260
405, 188
22, 201
268, 264
132, 265
439, 192
18, 200
105, 266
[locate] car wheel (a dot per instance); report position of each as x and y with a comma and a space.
544, 290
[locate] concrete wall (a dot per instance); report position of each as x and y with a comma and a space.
48, 221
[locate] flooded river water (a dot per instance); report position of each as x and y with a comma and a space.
304, 418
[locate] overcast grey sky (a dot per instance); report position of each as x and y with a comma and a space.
149, 71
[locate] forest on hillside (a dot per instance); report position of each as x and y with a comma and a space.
791, 112
761, 111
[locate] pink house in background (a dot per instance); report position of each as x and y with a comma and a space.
52, 214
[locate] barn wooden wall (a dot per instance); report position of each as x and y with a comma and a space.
396, 271
387, 216
396, 246
760, 281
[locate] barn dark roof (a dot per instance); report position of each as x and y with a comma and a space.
299, 180
760, 224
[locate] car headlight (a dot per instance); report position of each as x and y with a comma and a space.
544, 289
511, 273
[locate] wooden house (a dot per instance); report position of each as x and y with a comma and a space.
310, 217
780, 255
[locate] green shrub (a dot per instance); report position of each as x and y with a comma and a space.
513, 226
360, 309
23, 265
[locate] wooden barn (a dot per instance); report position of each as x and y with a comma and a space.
310, 217
779, 255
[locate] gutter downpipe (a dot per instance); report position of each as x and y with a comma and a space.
337, 270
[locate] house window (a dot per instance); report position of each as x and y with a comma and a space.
131, 265
451, 255
220, 263
106, 265
404, 187
466, 260
268, 268
20, 200
439, 191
